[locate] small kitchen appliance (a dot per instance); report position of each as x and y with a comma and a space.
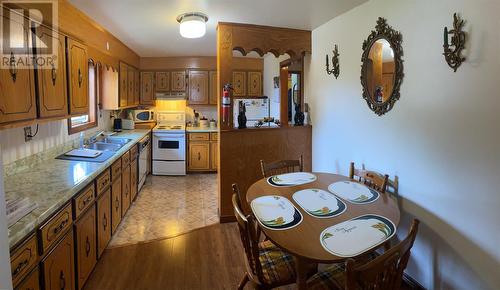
143, 115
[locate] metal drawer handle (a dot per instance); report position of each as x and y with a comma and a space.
60, 227
54, 75
20, 267
199, 156
87, 246
85, 202
62, 281
117, 203
104, 222
13, 67
80, 78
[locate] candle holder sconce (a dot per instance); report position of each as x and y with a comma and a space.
453, 52
335, 63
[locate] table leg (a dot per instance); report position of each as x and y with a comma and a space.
301, 266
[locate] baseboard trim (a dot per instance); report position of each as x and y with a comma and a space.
412, 283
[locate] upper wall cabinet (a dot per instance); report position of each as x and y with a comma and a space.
123, 92
147, 88
52, 88
198, 87
178, 81
212, 86
78, 78
137, 87
254, 83
17, 87
131, 85
239, 84
163, 81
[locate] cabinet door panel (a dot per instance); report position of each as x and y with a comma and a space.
133, 179
239, 84
103, 221
125, 189
32, 282
199, 158
131, 85
213, 96
85, 246
79, 87
58, 266
198, 87
179, 81
123, 90
147, 88
137, 87
214, 156
17, 86
116, 203
163, 81
53, 99
254, 83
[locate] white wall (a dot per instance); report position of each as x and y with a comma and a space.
441, 138
5, 278
271, 70
13, 146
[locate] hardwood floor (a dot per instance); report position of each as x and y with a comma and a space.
206, 258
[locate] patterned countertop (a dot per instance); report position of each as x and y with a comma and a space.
53, 183
201, 129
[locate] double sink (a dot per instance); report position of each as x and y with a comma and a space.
108, 144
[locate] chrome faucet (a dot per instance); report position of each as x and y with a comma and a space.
94, 137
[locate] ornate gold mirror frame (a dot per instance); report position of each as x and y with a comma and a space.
386, 32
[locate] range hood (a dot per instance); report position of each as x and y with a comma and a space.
171, 96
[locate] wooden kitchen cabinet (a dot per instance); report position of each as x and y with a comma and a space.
86, 257
137, 87
58, 266
254, 84
147, 88
125, 189
199, 156
212, 87
23, 258
163, 81
52, 92
131, 85
133, 178
123, 86
178, 81
116, 203
214, 156
239, 84
198, 88
17, 91
103, 221
32, 282
78, 68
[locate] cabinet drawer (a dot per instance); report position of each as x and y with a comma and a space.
103, 182
23, 259
116, 169
58, 266
84, 200
133, 152
214, 136
32, 282
52, 230
199, 136
125, 159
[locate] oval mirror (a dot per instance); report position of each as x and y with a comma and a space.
382, 69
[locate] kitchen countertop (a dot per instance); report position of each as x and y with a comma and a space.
201, 129
54, 182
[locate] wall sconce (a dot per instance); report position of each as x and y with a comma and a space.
453, 53
335, 63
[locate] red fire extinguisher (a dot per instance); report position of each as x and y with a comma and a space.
226, 103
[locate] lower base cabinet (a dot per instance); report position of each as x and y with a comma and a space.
199, 156
116, 203
125, 189
85, 246
103, 221
58, 266
32, 282
133, 179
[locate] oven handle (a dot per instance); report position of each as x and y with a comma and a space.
169, 136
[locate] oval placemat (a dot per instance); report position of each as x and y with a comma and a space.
319, 203
275, 212
353, 192
291, 179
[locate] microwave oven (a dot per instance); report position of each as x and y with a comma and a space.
143, 115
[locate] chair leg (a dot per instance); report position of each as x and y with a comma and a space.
243, 282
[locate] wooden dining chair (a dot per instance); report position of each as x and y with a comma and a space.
372, 179
281, 166
383, 272
267, 266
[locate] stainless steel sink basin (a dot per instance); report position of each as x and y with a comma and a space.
120, 141
101, 146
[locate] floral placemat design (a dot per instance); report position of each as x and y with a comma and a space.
275, 212
353, 192
319, 203
358, 235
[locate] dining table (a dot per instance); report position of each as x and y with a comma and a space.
303, 240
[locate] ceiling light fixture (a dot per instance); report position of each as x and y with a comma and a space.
192, 24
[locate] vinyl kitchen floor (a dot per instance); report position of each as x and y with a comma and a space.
169, 206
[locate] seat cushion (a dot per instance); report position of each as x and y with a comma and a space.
278, 266
332, 277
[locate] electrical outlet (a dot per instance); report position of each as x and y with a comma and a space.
27, 134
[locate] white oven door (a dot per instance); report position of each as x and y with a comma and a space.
169, 146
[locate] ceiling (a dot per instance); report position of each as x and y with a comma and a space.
150, 27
